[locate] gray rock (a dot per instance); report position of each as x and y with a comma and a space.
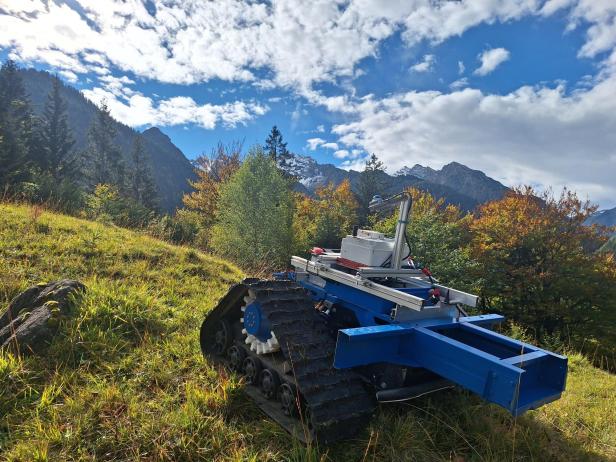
32, 318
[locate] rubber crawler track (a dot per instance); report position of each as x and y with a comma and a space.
336, 404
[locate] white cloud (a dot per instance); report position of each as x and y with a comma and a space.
354, 164
491, 59
69, 76
193, 41
119, 86
137, 110
439, 20
296, 115
320, 128
541, 135
350, 155
460, 83
314, 143
188, 41
298, 43
601, 35
425, 65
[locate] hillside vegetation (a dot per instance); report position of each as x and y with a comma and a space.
170, 168
125, 379
610, 246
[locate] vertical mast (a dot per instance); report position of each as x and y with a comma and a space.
400, 239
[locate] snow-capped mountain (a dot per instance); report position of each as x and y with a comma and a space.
418, 170
465, 180
603, 218
306, 170
455, 182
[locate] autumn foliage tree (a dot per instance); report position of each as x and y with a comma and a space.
537, 260
212, 171
325, 219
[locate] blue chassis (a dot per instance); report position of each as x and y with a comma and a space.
513, 374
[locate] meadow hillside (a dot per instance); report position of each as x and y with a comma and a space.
125, 379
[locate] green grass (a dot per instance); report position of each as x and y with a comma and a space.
125, 380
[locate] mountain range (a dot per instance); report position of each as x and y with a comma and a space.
456, 183
603, 217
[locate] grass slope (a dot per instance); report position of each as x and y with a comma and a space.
125, 379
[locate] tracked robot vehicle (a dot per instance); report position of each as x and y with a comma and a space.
321, 344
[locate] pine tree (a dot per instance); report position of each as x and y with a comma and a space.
56, 138
16, 127
142, 187
371, 182
105, 157
276, 148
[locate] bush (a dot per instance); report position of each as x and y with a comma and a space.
64, 196
179, 229
106, 204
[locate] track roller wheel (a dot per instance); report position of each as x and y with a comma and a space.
270, 382
236, 358
252, 369
223, 337
289, 399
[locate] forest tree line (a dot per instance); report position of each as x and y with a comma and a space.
39, 161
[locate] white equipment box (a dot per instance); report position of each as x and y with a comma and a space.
369, 248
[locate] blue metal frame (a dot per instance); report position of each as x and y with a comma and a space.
513, 374
366, 307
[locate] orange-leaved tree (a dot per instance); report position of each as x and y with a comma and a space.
538, 262
325, 219
212, 172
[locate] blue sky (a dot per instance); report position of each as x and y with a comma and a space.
524, 90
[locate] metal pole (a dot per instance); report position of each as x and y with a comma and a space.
400, 239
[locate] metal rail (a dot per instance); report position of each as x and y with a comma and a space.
374, 288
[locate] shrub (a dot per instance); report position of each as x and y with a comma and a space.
255, 214
106, 204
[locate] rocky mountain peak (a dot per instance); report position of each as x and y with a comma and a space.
417, 170
603, 218
155, 133
457, 183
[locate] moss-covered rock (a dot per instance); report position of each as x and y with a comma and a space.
32, 318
